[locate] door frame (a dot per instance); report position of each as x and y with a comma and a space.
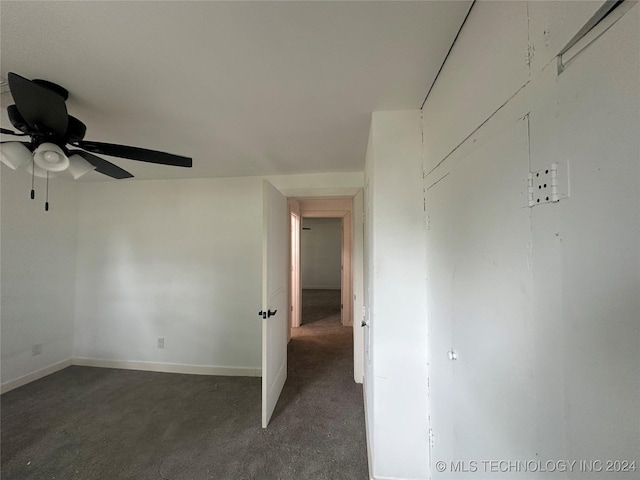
324, 208
295, 308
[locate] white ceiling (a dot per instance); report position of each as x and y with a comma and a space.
245, 88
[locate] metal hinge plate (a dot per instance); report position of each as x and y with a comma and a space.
543, 185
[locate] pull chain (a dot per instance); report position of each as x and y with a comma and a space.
46, 202
33, 174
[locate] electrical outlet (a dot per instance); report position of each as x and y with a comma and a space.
36, 349
161, 342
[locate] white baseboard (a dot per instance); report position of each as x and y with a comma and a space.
125, 365
33, 376
169, 367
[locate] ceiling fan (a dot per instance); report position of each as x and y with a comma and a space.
57, 139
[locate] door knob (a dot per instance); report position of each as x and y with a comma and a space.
270, 313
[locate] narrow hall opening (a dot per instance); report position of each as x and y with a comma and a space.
321, 270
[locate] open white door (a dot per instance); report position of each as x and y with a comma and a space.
275, 316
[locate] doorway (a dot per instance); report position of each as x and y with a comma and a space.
321, 270
349, 211
280, 249
327, 211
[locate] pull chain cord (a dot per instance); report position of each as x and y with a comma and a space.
46, 201
33, 174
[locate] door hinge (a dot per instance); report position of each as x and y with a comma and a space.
543, 185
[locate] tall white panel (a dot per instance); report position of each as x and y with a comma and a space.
479, 302
487, 65
599, 124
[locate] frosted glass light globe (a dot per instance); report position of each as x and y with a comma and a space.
14, 155
50, 157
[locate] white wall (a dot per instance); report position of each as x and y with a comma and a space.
175, 259
396, 367
313, 185
540, 304
321, 253
38, 271
358, 286
368, 241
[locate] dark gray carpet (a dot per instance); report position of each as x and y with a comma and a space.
320, 305
93, 423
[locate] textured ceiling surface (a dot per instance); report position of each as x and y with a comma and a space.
245, 88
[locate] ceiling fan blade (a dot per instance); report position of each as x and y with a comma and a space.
135, 153
44, 110
102, 165
11, 132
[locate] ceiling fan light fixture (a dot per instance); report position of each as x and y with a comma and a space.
40, 112
50, 157
14, 155
78, 166
39, 172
